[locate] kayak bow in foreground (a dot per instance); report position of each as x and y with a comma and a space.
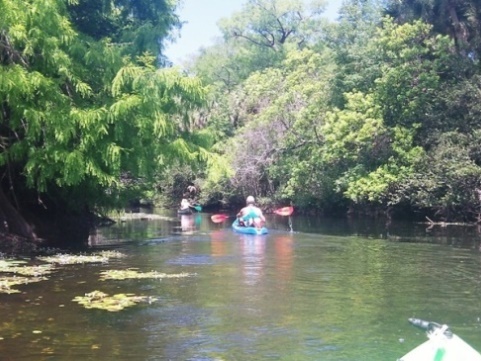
443, 345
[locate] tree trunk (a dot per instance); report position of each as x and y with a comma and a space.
11, 221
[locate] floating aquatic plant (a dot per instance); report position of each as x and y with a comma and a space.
35, 273
115, 303
74, 259
35, 270
10, 262
112, 254
133, 274
6, 283
99, 257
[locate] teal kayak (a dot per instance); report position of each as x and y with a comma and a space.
443, 345
248, 230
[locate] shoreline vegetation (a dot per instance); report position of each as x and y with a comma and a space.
12, 244
376, 114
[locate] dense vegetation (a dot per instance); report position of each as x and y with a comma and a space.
88, 117
378, 112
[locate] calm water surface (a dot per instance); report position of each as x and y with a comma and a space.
329, 290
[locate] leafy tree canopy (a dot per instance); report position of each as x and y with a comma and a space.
80, 113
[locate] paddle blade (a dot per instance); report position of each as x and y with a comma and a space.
197, 207
218, 218
285, 211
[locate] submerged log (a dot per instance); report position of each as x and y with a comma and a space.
445, 224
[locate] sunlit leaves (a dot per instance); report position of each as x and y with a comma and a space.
370, 156
360, 116
154, 104
79, 112
411, 72
376, 142
354, 127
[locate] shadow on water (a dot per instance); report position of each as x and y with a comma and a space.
172, 226
464, 236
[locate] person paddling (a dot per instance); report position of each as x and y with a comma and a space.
184, 204
251, 215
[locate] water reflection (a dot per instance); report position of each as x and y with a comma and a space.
187, 224
333, 290
283, 246
253, 253
218, 244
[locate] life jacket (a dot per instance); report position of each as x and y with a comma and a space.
251, 215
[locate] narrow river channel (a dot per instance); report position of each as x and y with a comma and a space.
329, 290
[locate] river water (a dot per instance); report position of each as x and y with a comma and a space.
332, 290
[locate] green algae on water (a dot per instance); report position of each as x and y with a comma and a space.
38, 272
133, 274
115, 303
6, 283
65, 259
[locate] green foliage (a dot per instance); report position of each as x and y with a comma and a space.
278, 114
256, 73
271, 24
412, 63
258, 37
351, 113
216, 186
448, 180
369, 157
352, 40
135, 26
78, 114
459, 19
353, 133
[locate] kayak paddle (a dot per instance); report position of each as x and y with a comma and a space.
197, 207
284, 211
218, 218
